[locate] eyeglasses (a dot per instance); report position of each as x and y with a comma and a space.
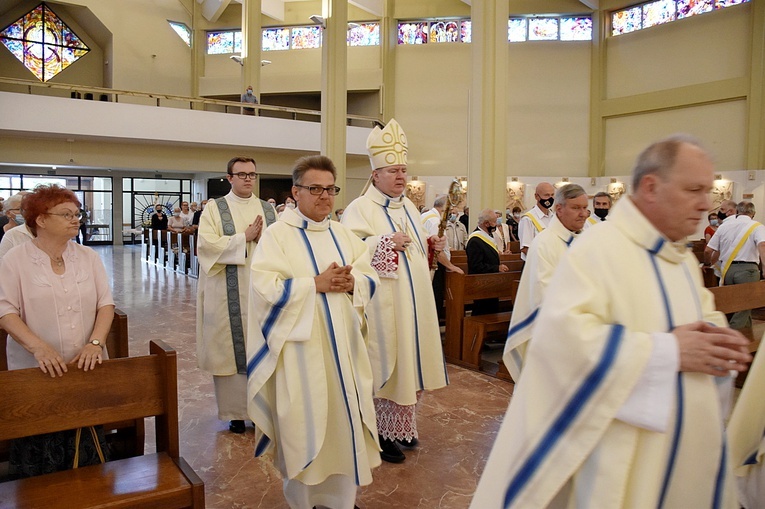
242, 175
67, 215
318, 190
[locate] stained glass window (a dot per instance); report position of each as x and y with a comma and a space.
43, 43
466, 31
275, 39
516, 29
687, 8
444, 31
306, 37
413, 32
238, 42
182, 30
219, 43
576, 29
626, 21
719, 4
543, 29
659, 12
364, 34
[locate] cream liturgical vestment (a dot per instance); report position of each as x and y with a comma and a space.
544, 254
215, 350
310, 390
404, 339
567, 439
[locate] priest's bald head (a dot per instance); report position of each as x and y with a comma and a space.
671, 182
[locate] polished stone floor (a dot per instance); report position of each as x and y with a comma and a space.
457, 424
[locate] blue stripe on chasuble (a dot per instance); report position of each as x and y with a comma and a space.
273, 316
333, 344
337, 245
566, 418
523, 323
720, 482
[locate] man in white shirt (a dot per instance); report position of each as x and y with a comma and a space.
739, 243
538, 218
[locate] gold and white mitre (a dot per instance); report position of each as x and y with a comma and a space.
387, 147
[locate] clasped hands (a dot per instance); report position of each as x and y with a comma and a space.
335, 279
705, 348
52, 363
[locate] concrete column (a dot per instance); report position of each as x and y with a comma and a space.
334, 88
487, 160
756, 143
251, 42
388, 42
198, 50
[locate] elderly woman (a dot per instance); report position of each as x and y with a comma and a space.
14, 232
175, 223
57, 307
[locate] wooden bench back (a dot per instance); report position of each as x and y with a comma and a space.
32, 402
733, 298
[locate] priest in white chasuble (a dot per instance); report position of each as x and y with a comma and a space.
404, 337
545, 252
309, 377
229, 230
620, 403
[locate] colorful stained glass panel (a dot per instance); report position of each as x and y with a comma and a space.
413, 33
658, 13
306, 37
516, 29
220, 43
720, 4
275, 39
364, 34
543, 29
238, 41
182, 30
466, 31
444, 31
43, 42
626, 21
576, 29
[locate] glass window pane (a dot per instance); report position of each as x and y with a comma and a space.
157, 185
275, 39
306, 37
182, 30
238, 40
466, 31
99, 209
626, 21
30, 182
687, 8
96, 183
576, 29
219, 43
127, 184
516, 29
657, 13
413, 33
543, 29
444, 31
186, 186
365, 34
719, 4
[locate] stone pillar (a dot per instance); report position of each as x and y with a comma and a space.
251, 42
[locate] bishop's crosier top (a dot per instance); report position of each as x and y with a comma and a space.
387, 147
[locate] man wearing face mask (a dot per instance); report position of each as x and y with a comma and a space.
455, 233
538, 218
512, 222
248, 97
502, 234
601, 205
483, 257
15, 232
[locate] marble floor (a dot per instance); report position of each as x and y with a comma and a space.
457, 424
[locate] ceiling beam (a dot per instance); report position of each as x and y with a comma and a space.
371, 6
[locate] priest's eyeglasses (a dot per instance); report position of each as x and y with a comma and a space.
318, 190
67, 215
242, 175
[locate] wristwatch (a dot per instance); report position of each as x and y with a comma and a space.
96, 342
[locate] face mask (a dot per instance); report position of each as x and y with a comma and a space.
547, 203
721, 216
290, 205
499, 221
249, 92
452, 217
19, 219
517, 216
490, 229
601, 213
339, 217
177, 215
714, 222
508, 212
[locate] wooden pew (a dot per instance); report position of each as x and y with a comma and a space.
32, 402
461, 289
126, 438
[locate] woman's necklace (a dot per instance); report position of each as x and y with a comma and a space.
58, 260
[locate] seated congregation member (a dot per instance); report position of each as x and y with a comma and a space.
455, 233
621, 399
545, 252
15, 232
159, 218
175, 223
186, 214
310, 385
483, 257
57, 307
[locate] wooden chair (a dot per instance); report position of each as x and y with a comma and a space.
125, 389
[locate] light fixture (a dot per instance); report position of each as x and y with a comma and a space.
319, 20
237, 58
351, 24
718, 176
513, 179
264, 63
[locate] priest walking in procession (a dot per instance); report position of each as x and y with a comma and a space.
310, 383
404, 337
